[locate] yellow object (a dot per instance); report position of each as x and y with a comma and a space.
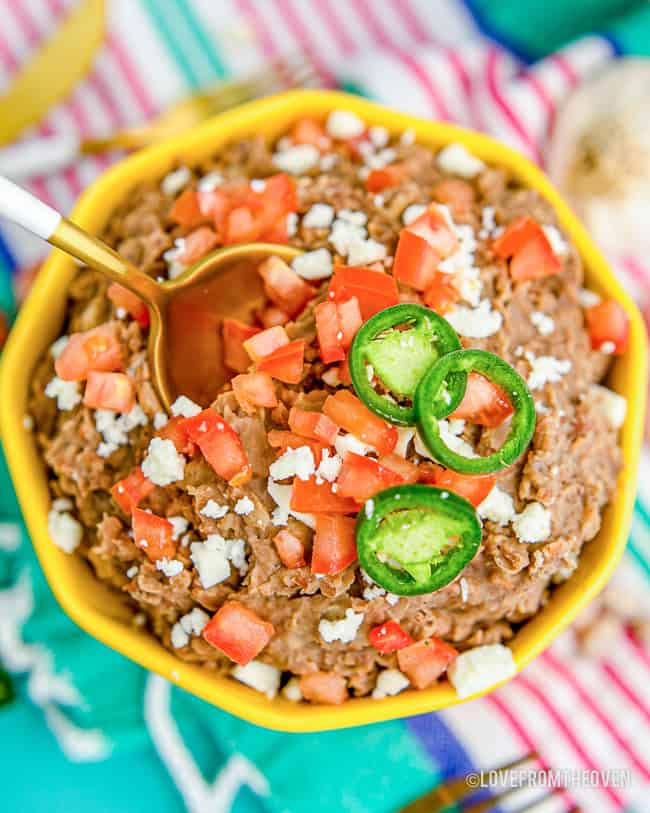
102, 612
52, 73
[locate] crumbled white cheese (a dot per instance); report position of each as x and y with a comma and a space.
373, 591
132, 572
292, 690
543, 322
258, 185
457, 160
315, 264
209, 182
464, 589
608, 348
297, 462
345, 234
175, 181
173, 258
498, 507
329, 467
449, 431
260, 676
545, 370
194, 621
378, 136
59, 346
179, 526
185, 407
558, 244
354, 216
378, 201
542, 409
389, 682
612, 405
351, 443
533, 524
62, 504
64, 530
475, 323
106, 449
298, 159
328, 161
412, 213
282, 496
366, 252
163, 464
320, 216
160, 419
115, 427
170, 567
331, 377
212, 558
404, 437
292, 223
343, 629
244, 506
66, 393
381, 159
213, 510
344, 124
480, 668
408, 137
488, 222
179, 637
588, 298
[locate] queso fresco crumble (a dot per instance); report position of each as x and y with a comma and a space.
413, 449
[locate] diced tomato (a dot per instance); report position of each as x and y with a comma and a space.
344, 373
310, 131
457, 194
529, 250
286, 363
424, 662
129, 492
374, 290
348, 412
98, 349
254, 390
176, 430
336, 326
310, 497
153, 535
313, 425
608, 326
389, 637
198, 243
278, 199
220, 445
240, 226
362, 477
328, 688
290, 549
442, 294
409, 472
422, 245
215, 205
121, 297
264, 343
272, 316
354, 144
238, 632
197, 426
235, 333
380, 179
474, 488
186, 210
282, 440
335, 545
283, 286
109, 391
483, 403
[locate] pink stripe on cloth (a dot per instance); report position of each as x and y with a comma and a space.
493, 86
564, 730
337, 30
131, 75
588, 702
306, 41
366, 15
565, 67
545, 100
247, 9
411, 22
636, 271
626, 690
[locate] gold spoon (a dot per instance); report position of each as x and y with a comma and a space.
185, 347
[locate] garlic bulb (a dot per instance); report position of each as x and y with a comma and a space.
599, 156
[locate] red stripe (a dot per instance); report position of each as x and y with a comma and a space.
609, 725
411, 21
131, 76
626, 690
507, 112
329, 15
566, 68
640, 650
301, 33
568, 735
247, 9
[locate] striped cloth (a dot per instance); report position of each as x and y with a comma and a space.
434, 60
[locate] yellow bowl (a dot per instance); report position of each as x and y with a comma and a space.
99, 611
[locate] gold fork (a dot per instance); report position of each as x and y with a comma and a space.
290, 72
459, 789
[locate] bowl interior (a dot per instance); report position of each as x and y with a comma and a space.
101, 611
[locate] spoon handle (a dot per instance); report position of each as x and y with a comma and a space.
25, 209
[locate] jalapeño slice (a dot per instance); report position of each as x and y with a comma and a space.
428, 399
395, 348
415, 539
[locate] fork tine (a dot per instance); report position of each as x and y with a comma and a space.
487, 805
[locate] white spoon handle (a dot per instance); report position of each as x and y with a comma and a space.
23, 208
